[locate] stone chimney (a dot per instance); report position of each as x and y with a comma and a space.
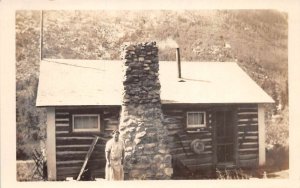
146, 139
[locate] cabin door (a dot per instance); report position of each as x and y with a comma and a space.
224, 137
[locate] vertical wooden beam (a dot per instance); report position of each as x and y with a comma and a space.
214, 138
261, 134
51, 144
236, 137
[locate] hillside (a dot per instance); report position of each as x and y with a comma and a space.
257, 40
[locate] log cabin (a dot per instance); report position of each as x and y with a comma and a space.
214, 113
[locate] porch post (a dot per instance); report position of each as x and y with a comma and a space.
51, 145
261, 134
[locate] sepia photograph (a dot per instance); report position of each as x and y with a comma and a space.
105, 95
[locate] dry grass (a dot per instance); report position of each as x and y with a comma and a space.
25, 170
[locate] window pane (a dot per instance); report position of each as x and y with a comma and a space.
190, 119
85, 122
195, 118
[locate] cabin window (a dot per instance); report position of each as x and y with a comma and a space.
196, 119
86, 123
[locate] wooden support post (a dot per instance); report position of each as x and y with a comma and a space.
261, 134
51, 145
87, 157
236, 140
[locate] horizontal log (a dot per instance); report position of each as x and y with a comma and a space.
197, 161
61, 132
98, 147
79, 156
246, 124
249, 106
62, 119
108, 124
80, 146
72, 140
185, 143
202, 154
247, 110
103, 136
247, 120
196, 135
248, 157
173, 126
178, 150
247, 113
69, 163
247, 143
178, 117
246, 137
111, 111
246, 152
200, 167
110, 128
76, 138
250, 145
173, 132
247, 116
248, 128
206, 140
62, 124
252, 163
61, 110
61, 113
70, 157
182, 134
248, 149
173, 110
252, 133
248, 140
170, 119
174, 114
92, 164
70, 152
110, 119
206, 149
179, 155
65, 128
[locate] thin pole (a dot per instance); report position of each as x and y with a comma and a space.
41, 34
178, 62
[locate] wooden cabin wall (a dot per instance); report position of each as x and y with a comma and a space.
183, 155
246, 131
247, 123
71, 147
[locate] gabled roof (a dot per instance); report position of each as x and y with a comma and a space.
99, 82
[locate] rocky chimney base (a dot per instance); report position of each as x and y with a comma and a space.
146, 139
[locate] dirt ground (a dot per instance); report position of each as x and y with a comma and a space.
25, 172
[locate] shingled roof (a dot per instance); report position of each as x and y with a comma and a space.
65, 82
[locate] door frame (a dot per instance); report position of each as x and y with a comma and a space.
235, 154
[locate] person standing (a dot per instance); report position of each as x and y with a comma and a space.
114, 153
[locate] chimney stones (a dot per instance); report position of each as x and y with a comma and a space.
146, 138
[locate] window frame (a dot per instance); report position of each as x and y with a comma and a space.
188, 126
76, 130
